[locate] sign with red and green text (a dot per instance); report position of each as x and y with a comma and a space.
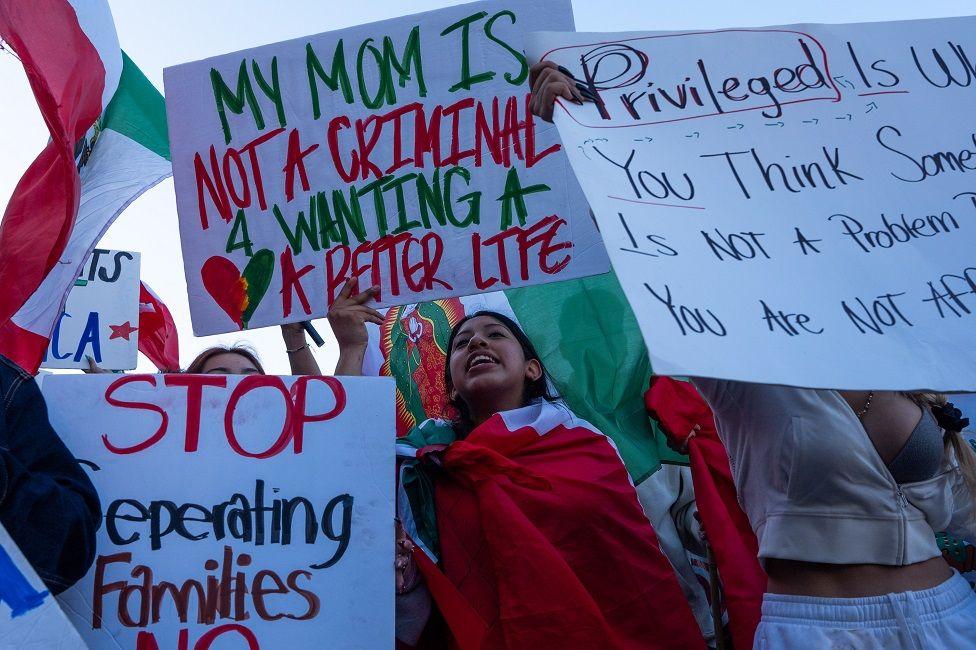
401, 153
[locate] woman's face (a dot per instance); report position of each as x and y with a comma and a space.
229, 363
488, 365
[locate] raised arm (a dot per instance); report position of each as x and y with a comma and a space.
348, 317
300, 357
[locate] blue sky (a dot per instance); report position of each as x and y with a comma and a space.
157, 35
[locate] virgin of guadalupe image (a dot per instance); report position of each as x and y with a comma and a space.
413, 340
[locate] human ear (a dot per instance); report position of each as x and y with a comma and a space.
533, 369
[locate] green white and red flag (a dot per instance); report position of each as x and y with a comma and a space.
536, 526
108, 145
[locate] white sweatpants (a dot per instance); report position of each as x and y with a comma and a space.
941, 617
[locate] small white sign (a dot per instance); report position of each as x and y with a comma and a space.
101, 316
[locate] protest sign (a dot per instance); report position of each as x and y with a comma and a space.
402, 153
790, 205
100, 318
253, 510
29, 614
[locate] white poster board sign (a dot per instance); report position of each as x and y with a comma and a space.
29, 614
791, 205
402, 153
239, 511
101, 316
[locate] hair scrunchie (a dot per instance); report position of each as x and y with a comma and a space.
949, 417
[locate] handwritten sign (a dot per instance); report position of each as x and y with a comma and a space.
402, 153
252, 510
101, 316
29, 614
790, 205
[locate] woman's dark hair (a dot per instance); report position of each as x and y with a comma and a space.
196, 366
537, 389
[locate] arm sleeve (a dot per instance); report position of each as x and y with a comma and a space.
47, 503
722, 394
412, 612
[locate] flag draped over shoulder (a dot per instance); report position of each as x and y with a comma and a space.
108, 146
158, 337
585, 333
538, 530
679, 409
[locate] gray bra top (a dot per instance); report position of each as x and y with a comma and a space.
921, 457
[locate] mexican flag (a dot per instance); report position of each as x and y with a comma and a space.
537, 529
585, 333
108, 145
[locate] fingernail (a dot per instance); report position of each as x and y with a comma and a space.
565, 71
586, 92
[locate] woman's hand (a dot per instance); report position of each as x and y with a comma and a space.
348, 317
405, 567
94, 369
547, 83
681, 445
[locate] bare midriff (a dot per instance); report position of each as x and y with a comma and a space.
794, 578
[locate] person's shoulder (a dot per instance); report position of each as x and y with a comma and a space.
11, 369
12, 377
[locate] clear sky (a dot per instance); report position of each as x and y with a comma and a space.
160, 34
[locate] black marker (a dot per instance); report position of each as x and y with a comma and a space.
313, 333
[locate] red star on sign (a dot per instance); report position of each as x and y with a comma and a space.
121, 331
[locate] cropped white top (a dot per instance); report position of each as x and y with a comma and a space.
816, 490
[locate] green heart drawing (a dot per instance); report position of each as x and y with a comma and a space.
257, 277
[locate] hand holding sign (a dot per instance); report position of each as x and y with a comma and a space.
548, 81
348, 317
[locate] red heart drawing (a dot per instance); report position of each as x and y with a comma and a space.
222, 280
239, 293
